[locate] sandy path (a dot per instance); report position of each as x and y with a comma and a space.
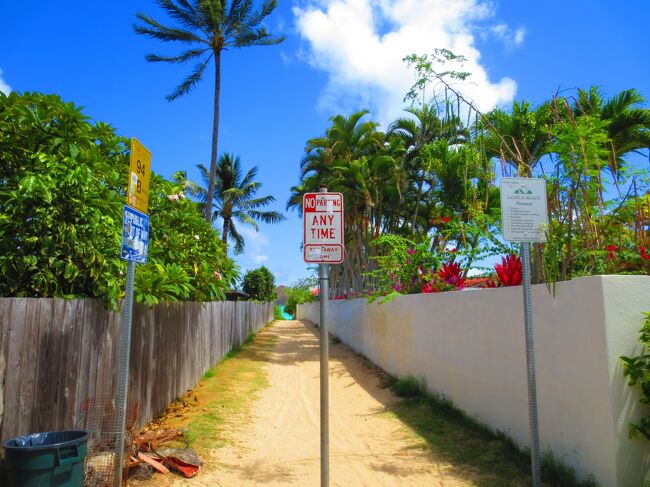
280, 444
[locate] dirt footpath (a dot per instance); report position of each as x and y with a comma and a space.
280, 445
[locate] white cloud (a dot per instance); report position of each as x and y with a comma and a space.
507, 36
255, 245
361, 44
520, 33
4, 87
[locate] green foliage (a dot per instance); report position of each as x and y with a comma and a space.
637, 370
62, 190
299, 293
259, 284
407, 387
277, 313
403, 266
61, 197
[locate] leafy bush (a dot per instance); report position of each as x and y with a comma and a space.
277, 313
62, 190
259, 284
637, 370
299, 293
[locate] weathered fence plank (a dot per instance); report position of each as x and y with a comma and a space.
56, 354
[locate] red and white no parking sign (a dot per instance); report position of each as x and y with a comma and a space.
323, 228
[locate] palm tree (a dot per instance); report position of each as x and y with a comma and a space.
234, 199
628, 122
207, 28
519, 138
425, 127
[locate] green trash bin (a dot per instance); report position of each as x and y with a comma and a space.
52, 459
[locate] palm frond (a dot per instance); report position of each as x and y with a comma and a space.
181, 58
267, 216
191, 81
156, 30
184, 13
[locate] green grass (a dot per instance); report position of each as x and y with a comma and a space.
222, 400
485, 457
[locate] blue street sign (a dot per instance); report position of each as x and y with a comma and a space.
135, 235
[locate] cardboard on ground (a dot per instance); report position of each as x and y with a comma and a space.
140, 169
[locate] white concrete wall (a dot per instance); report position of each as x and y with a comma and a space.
469, 346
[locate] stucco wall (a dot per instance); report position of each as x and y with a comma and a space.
469, 346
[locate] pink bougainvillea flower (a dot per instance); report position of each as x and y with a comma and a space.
611, 251
410, 251
397, 287
420, 272
451, 274
509, 271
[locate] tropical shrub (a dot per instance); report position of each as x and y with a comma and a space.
62, 190
298, 293
637, 370
259, 284
61, 195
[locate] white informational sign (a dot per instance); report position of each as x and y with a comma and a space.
523, 209
323, 228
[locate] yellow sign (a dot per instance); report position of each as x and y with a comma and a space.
138, 192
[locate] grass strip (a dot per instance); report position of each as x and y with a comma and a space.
221, 401
485, 457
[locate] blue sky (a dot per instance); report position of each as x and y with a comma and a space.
339, 56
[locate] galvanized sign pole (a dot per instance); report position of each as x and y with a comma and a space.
324, 378
525, 217
135, 242
323, 244
125, 353
535, 457
323, 277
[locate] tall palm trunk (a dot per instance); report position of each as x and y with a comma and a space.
215, 136
224, 235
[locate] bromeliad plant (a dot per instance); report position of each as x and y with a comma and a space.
508, 273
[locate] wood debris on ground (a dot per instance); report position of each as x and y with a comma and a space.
147, 448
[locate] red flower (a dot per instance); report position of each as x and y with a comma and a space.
450, 273
428, 288
441, 220
644, 254
611, 249
509, 271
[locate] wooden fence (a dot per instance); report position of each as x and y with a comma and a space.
56, 354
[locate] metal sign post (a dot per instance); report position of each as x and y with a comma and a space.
525, 217
324, 377
530, 361
323, 244
135, 244
125, 349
